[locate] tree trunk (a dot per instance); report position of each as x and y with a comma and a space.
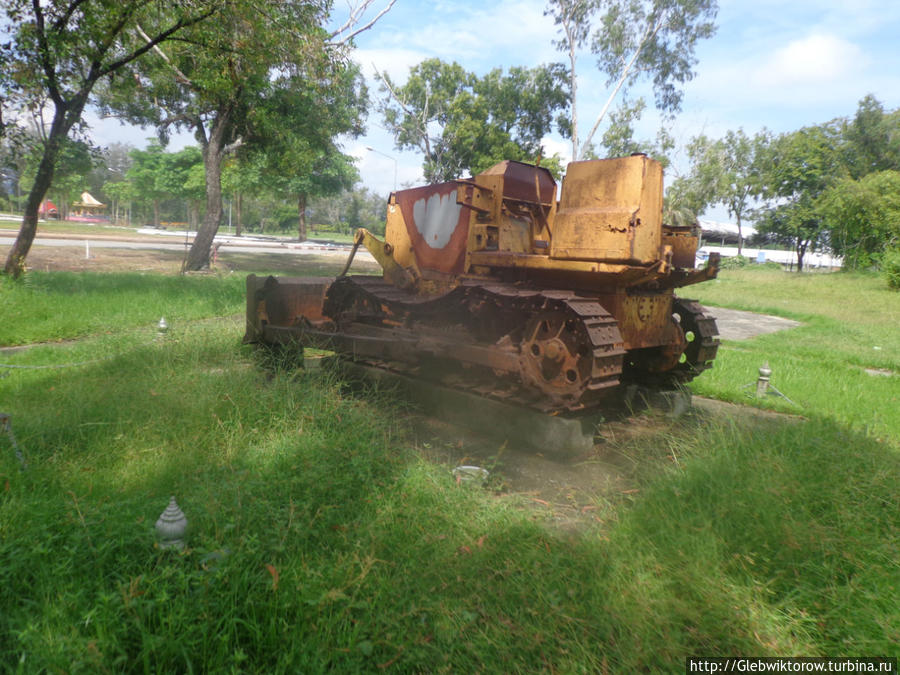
213, 151
573, 87
801, 251
301, 217
740, 235
193, 214
155, 213
15, 261
237, 214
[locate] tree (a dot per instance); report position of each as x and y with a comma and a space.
349, 210
73, 164
872, 139
739, 161
729, 169
212, 79
796, 169
572, 16
863, 217
632, 40
144, 177
57, 53
291, 142
462, 123
110, 166
618, 139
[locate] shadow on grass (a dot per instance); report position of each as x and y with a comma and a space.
319, 541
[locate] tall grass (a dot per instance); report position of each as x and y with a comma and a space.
320, 540
64, 305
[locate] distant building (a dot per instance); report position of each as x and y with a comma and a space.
48, 210
88, 210
724, 233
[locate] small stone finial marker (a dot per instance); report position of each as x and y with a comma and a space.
162, 326
762, 384
171, 526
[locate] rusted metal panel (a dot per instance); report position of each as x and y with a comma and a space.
610, 210
684, 245
644, 318
437, 226
525, 182
283, 301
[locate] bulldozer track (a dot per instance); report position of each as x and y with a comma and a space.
701, 351
567, 348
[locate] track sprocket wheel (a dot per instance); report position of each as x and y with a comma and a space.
556, 356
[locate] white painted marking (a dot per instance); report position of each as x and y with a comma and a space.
436, 218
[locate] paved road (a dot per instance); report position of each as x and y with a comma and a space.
175, 243
737, 325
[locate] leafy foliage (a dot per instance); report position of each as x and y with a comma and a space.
58, 53
261, 67
830, 185
462, 123
890, 267
292, 146
634, 40
797, 169
724, 171
863, 216
873, 139
618, 139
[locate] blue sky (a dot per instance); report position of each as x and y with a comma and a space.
771, 63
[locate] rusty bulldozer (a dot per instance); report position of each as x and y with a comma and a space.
498, 286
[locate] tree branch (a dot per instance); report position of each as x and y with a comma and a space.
650, 33
181, 77
61, 22
231, 147
44, 55
161, 37
354, 17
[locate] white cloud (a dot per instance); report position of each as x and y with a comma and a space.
810, 61
395, 62
557, 146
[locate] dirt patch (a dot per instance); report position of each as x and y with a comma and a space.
72, 259
572, 492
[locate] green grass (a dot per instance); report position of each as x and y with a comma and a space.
850, 324
322, 541
64, 305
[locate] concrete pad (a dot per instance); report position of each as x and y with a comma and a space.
521, 427
735, 324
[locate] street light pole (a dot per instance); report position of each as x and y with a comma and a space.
384, 154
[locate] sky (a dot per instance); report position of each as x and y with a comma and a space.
773, 64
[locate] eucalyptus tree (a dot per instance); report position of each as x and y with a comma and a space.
56, 52
464, 123
633, 41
